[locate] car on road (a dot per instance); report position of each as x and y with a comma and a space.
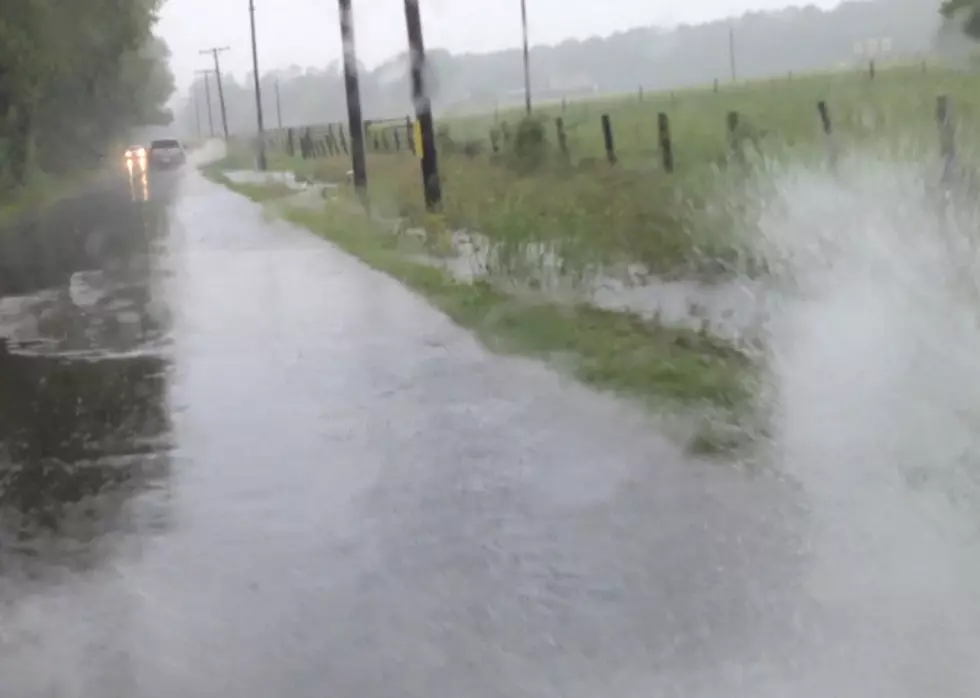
135, 157
166, 153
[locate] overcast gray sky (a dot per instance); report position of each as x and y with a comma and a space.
306, 32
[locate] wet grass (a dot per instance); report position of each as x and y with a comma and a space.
45, 190
589, 214
681, 224
900, 100
608, 350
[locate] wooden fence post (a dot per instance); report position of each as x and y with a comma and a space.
410, 133
666, 149
733, 139
562, 136
827, 126
607, 135
947, 142
343, 140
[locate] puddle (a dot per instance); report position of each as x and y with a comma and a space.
288, 179
734, 309
95, 317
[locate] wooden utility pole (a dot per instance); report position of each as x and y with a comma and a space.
260, 140
278, 105
355, 120
527, 59
731, 51
207, 93
423, 107
221, 92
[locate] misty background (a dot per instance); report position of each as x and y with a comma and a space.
767, 43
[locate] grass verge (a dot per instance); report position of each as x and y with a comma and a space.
620, 352
44, 190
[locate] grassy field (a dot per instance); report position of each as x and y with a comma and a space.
590, 211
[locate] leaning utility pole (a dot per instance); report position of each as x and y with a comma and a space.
258, 91
221, 92
354, 117
207, 93
423, 107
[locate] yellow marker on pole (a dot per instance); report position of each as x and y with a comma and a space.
417, 137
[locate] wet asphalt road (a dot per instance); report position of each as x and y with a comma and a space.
237, 462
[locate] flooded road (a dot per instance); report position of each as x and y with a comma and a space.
237, 462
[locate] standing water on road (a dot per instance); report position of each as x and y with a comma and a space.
244, 464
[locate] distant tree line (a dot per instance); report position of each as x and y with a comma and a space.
75, 75
765, 44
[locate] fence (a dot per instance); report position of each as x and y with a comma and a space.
331, 140
393, 136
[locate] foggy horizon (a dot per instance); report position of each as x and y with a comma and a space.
306, 33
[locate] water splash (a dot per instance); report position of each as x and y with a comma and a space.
874, 371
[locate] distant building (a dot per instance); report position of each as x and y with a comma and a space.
873, 47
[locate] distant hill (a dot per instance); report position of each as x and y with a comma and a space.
766, 44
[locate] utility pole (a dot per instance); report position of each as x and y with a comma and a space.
423, 107
278, 105
258, 90
731, 50
527, 60
355, 119
207, 93
197, 110
221, 92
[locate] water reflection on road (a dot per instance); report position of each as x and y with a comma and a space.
83, 375
239, 463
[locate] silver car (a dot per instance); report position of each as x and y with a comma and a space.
166, 153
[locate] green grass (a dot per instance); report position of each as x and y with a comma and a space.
608, 350
591, 212
899, 102
42, 191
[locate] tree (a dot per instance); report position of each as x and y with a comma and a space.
73, 77
968, 10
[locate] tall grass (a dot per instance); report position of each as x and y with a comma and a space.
588, 212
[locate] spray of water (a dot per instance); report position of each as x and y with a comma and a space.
873, 349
